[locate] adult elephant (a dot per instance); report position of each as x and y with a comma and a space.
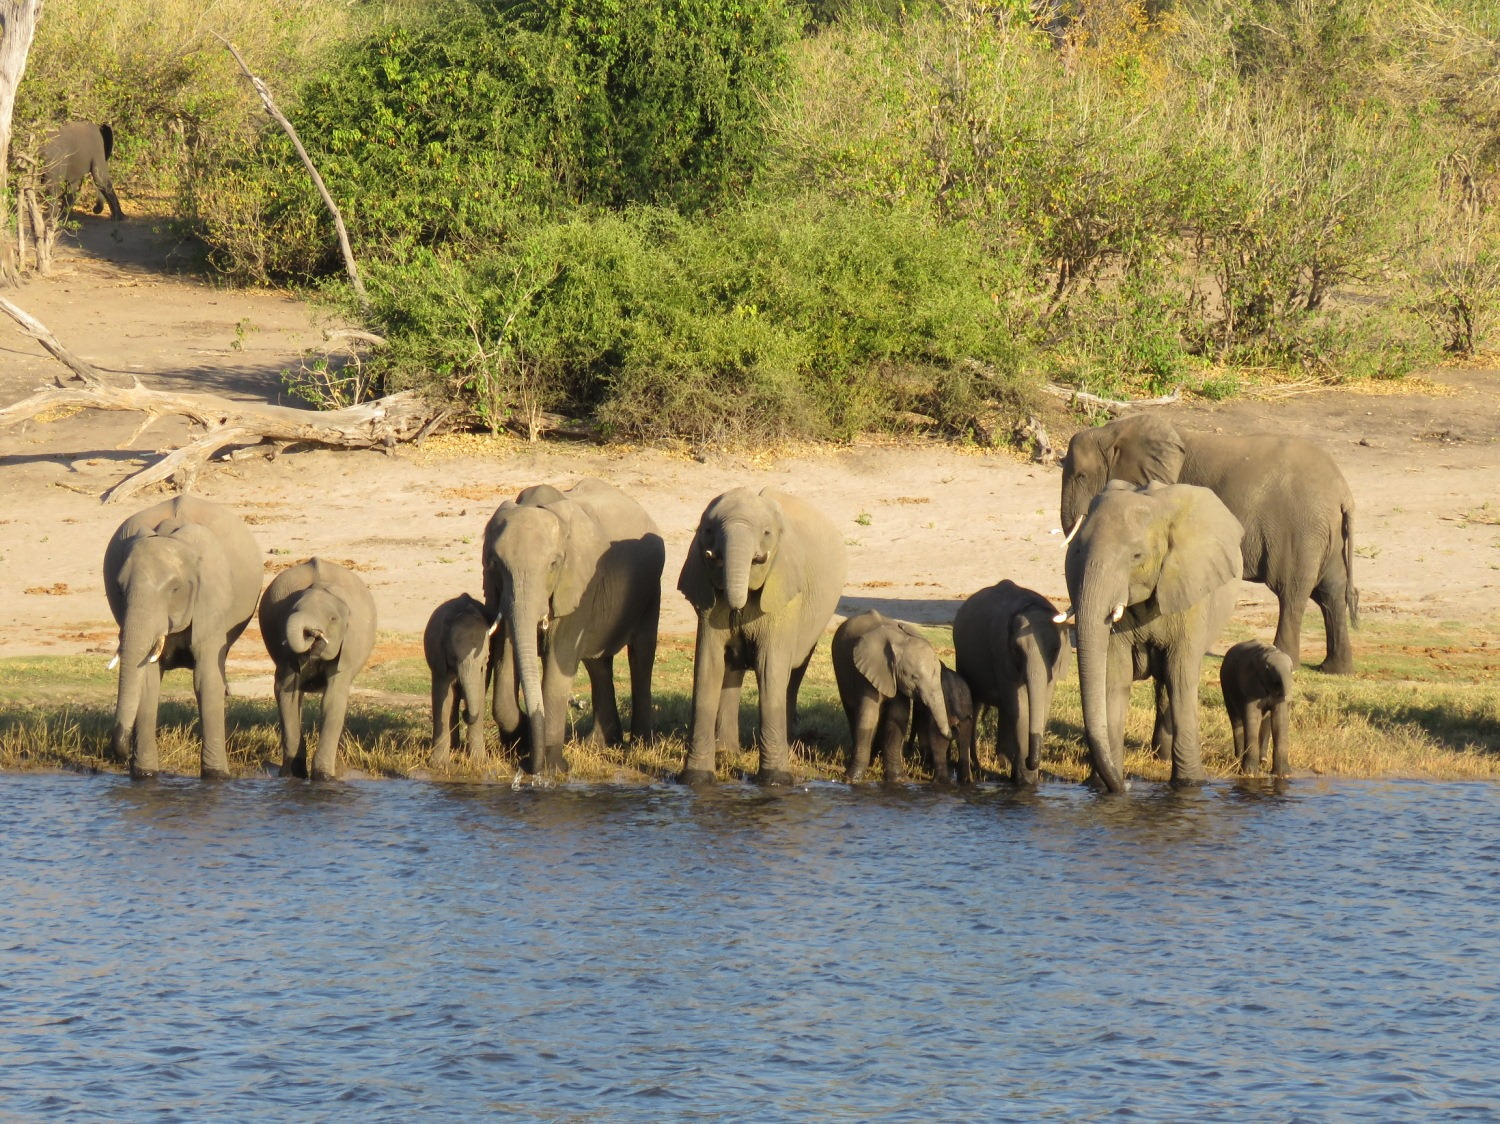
576, 576
764, 572
1153, 571
1287, 493
74, 151
1007, 646
182, 578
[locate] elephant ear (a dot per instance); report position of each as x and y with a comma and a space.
694, 582
1203, 547
874, 659
788, 572
1146, 449
584, 545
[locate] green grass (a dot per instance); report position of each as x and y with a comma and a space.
1414, 709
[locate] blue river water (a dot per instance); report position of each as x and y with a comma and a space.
388, 949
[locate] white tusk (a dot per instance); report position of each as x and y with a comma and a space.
114, 660
493, 626
1069, 536
1119, 611
156, 649
1062, 617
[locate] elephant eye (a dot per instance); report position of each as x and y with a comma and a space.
708, 554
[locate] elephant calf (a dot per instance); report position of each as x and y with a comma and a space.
938, 749
881, 666
74, 151
318, 622
455, 643
1257, 681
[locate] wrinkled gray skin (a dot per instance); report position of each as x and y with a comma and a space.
576, 576
182, 578
1290, 497
1257, 681
937, 747
764, 572
456, 643
1155, 569
881, 665
318, 622
1011, 652
76, 150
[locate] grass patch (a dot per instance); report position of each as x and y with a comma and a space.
1414, 709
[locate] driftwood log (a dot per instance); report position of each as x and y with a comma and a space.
380, 424
1116, 406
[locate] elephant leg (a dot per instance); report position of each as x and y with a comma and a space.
144, 761
107, 189
963, 741
1292, 604
1010, 732
208, 685
1277, 723
641, 656
1184, 663
1252, 734
1161, 726
864, 715
708, 690
470, 690
1019, 735
793, 688
773, 676
890, 735
293, 739
607, 726
1329, 597
727, 726
1237, 734
557, 686
442, 720
325, 763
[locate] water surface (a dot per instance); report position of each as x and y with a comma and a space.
384, 949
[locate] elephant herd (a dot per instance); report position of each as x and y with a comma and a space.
1161, 527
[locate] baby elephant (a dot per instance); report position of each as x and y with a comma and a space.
318, 622
960, 703
456, 642
1257, 682
74, 151
881, 665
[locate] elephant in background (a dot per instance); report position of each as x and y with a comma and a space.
182, 578
456, 643
764, 572
881, 666
1256, 678
73, 151
576, 576
1154, 569
1288, 494
318, 622
1009, 649
940, 750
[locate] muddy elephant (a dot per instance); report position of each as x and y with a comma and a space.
182, 578
1256, 679
1151, 572
881, 666
317, 619
456, 644
1009, 649
764, 573
1288, 494
575, 575
74, 151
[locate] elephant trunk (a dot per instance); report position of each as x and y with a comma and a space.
301, 632
932, 698
1093, 662
739, 547
142, 637
524, 612
1038, 701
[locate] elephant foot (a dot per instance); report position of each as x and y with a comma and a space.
320, 774
293, 769
775, 778
1191, 780
209, 773
697, 778
1342, 665
854, 776
140, 773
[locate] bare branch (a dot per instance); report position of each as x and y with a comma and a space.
1113, 405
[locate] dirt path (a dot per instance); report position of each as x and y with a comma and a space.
926, 524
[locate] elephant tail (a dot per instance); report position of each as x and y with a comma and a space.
1351, 594
107, 135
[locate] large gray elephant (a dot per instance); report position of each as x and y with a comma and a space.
1008, 647
456, 642
881, 666
318, 621
1157, 570
182, 578
71, 152
764, 572
1288, 494
576, 576
1256, 679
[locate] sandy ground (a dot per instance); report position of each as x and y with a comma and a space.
925, 524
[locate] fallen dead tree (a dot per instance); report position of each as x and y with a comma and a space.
379, 424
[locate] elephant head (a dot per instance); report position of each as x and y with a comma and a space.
538, 562
737, 550
898, 660
1139, 449
1142, 559
317, 625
